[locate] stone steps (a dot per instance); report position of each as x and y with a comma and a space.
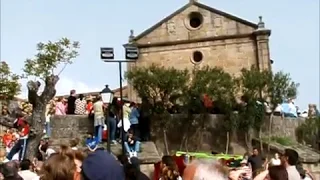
148, 155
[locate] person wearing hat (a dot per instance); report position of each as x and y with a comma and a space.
244, 166
101, 165
21, 145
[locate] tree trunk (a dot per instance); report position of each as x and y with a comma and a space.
228, 142
38, 123
166, 141
39, 104
270, 130
260, 140
248, 140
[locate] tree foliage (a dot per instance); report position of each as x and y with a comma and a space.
9, 82
309, 132
160, 86
43, 65
281, 87
253, 84
220, 88
50, 55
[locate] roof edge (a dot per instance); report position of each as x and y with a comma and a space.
225, 14
147, 31
200, 5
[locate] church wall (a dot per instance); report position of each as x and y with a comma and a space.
232, 55
177, 27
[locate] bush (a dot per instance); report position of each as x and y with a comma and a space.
309, 132
285, 141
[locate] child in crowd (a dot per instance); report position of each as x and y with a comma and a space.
8, 139
21, 144
49, 150
91, 142
42, 148
74, 143
132, 144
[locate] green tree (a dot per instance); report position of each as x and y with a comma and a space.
43, 66
9, 82
280, 87
220, 87
159, 87
253, 84
309, 132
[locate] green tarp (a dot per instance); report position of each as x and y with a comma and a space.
210, 156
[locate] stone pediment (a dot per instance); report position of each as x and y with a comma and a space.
195, 22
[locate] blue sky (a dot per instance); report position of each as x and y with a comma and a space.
294, 41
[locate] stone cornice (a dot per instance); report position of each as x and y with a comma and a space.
198, 40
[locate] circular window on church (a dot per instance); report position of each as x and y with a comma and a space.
195, 20
197, 57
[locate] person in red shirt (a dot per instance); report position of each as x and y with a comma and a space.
21, 145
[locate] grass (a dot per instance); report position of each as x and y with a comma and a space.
285, 141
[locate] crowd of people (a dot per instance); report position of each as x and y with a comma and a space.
95, 163
135, 121
70, 162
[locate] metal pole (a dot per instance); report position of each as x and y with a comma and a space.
109, 130
121, 111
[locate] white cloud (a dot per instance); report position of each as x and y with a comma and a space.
64, 85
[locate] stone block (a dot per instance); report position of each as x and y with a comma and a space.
70, 126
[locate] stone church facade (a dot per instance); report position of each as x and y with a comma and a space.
197, 35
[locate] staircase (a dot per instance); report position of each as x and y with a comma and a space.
64, 128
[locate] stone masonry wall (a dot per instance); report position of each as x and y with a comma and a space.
70, 126
283, 127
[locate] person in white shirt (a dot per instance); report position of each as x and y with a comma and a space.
49, 152
26, 170
275, 161
289, 160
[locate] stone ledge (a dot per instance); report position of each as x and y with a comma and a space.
148, 155
307, 155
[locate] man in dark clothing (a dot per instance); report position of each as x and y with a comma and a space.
132, 144
71, 102
256, 161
